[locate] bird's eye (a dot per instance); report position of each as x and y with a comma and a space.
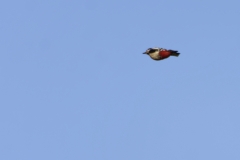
151, 51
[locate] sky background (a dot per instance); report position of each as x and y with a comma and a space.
75, 85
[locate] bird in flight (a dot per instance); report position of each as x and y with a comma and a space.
160, 53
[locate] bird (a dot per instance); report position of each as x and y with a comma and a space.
160, 53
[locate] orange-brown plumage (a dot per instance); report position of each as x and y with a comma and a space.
164, 54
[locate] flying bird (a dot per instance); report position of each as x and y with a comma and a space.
160, 53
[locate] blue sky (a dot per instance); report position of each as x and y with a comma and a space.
75, 84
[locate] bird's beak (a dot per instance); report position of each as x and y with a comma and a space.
144, 52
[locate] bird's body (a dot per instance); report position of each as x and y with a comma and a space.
160, 53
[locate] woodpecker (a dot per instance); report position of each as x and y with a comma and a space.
160, 53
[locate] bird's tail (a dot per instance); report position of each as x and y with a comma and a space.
174, 53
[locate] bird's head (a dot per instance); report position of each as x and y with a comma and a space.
151, 50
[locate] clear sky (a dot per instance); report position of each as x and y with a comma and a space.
75, 85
